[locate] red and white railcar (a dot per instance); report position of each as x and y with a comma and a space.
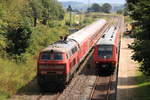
58, 62
106, 51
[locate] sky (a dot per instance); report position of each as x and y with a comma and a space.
98, 1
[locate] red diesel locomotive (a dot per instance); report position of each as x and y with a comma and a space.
58, 62
106, 51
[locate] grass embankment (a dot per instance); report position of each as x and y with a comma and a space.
143, 90
13, 76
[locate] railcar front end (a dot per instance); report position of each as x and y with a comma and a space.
105, 58
106, 52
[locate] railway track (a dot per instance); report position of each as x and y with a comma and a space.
104, 88
104, 85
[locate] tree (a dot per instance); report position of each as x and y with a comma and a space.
139, 11
120, 11
96, 7
3, 25
35, 10
51, 9
16, 20
18, 37
126, 11
106, 7
69, 9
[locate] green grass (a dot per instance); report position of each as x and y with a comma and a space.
4, 96
143, 89
13, 76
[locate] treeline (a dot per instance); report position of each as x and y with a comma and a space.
139, 10
106, 8
22, 23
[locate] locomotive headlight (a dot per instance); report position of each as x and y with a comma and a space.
113, 63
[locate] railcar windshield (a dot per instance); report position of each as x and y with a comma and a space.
51, 56
105, 51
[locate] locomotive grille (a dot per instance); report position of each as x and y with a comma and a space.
52, 66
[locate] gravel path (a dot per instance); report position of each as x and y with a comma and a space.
127, 72
81, 85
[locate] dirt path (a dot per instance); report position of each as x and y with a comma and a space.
127, 72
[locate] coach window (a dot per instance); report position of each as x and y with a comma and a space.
74, 50
67, 56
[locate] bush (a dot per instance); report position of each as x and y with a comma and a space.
18, 37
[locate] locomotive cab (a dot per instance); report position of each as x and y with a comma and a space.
47, 59
51, 68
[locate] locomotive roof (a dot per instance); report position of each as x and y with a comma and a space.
84, 33
108, 37
61, 46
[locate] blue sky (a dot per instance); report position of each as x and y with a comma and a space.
98, 1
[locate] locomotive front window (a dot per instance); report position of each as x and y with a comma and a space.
105, 51
58, 57
51, 56
45, 56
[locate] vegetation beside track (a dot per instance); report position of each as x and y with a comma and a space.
142, 81
139, 11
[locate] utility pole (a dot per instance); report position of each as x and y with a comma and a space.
80, 17
70, 10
